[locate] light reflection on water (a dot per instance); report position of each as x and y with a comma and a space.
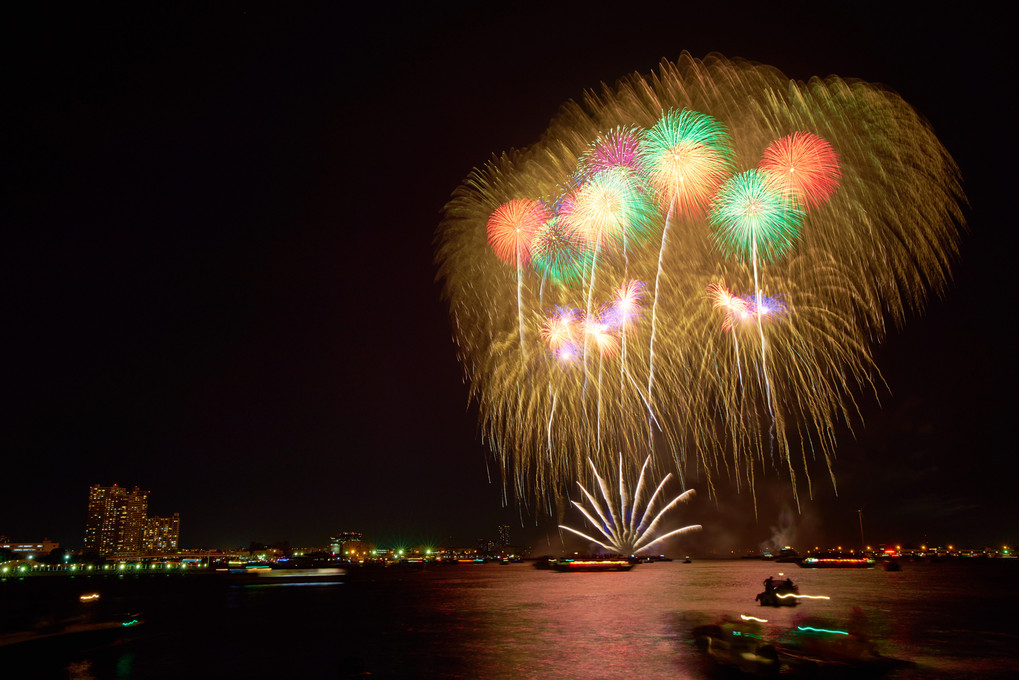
950, 618
514, 621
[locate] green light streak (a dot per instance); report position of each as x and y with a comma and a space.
822, 630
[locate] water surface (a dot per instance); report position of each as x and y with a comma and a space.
514, 621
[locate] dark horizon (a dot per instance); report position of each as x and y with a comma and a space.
219, 285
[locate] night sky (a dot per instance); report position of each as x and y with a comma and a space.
218, 279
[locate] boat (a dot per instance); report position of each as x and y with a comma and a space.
781, 594
812, 649
596, 564
787, 554
79, 632
737, 648
316, 576
837, 563
266, 575
820, 649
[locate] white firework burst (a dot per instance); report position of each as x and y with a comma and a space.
627, 526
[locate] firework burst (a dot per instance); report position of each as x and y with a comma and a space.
512, 227
640, 183
751, 215
626, 304
804, 166
601, 336
609, 208
619, 148
562, 328
688, 156
735, 309
559, 252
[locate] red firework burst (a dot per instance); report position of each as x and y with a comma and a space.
805, 166
511, 228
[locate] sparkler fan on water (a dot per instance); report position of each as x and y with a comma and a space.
774, 229
628, 526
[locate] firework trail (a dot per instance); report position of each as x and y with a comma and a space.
688, 156
750, 209
511, 231
829, 205
736, 310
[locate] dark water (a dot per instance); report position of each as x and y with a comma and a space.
953, 620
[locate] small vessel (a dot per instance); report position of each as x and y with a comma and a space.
595, 564
742, 648
317, 576
821, 649
737, 648
779, 594
788, 554
837, 562
73, 633
265, 575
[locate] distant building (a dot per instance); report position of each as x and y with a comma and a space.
344, 540
118, 522
25, 549
502, 536
161, 534
136, 511
116, 519
456, 552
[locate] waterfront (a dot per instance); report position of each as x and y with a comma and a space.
514, 621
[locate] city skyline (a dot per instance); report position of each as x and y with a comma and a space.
118, 523
219, 276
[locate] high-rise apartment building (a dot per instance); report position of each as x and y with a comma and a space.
161, 534
116, 519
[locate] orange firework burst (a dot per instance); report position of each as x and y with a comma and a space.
625, 308
561, 328
734, 307
805, 166
511, 228
601, 335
